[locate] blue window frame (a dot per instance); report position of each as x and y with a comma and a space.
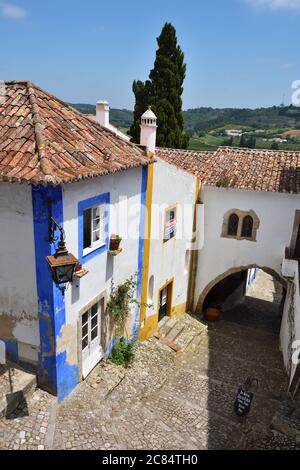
85, 254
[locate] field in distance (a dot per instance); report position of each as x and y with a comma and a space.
277, 127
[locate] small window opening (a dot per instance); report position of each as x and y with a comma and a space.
233, 224
247, 227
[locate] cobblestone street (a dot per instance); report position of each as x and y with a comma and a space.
174, 401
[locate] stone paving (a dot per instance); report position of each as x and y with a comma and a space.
174, 401
27, 427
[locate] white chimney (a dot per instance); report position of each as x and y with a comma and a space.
148, 130
102, 113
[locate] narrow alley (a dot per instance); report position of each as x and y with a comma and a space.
182, 400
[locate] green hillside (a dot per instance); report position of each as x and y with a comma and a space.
206, 119
118, 117
208, 127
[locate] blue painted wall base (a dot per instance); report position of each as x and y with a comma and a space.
54, 373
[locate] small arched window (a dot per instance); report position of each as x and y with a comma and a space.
151, 289
186, 262
247, 226
233, 224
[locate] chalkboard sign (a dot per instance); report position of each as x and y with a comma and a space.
243, 402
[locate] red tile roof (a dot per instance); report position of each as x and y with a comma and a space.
258, 170
45, 141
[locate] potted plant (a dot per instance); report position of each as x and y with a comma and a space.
212, 313
114, 243
78, 267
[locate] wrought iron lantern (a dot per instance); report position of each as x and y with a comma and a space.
62, 263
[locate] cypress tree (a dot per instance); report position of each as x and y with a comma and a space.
163, 92
142, 92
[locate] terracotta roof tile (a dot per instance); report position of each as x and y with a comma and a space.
258, 170
45, 141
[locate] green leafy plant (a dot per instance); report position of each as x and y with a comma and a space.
115, 241
122, 353
121, 299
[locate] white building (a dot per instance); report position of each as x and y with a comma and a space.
187, 219
58, 169
248, 217
234, 132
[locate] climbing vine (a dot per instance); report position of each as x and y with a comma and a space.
121, 299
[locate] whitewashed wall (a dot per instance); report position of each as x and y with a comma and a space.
276, 213
18, 295
171, 186
124, 188
290, 326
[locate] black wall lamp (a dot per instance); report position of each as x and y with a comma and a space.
62, 263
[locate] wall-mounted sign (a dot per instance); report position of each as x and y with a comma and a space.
170, 223
243, 401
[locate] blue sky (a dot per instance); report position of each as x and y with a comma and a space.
239, 53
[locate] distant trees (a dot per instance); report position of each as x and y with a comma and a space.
143, 93
248, 142
163, 92
275, 146
228, 142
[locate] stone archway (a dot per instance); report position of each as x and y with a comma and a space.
214, 282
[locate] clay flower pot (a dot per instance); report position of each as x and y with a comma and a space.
212, 313
78, 267
114, 242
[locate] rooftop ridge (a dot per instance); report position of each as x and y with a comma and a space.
38, 130
186, 150
57, 144
226, 147
78, 113
240, 168
65, 104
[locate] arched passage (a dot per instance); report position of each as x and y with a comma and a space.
230, 272
244, 344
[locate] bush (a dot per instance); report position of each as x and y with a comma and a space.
122, 354
275, 146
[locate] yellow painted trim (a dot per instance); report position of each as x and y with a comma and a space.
178, 310
146, 257
170, 282
151, 323
150, 327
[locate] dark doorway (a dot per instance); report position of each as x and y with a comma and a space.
227, 292
165, 301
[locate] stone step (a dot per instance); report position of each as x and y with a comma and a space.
16, 386
175, 331
167, 342
166, 325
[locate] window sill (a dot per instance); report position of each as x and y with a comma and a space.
231, 237
166, 240
88, 251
